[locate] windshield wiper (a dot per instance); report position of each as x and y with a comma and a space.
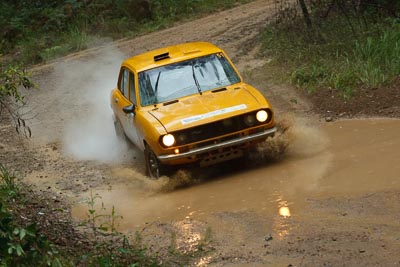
196, 81
158, 78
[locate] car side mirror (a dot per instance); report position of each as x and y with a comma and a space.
129, 109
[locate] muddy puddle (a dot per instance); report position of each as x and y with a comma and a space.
341, 158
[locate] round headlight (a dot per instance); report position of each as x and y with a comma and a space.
262, 115
168, 140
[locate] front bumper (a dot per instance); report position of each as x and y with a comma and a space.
234, 142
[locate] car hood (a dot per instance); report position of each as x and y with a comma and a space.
201, 109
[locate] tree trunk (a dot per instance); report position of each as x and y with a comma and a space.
305, 13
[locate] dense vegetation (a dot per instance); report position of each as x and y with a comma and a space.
36, 31
342, 45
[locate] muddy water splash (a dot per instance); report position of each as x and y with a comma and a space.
295, 136
73, 106
344, 157
223, 187
90, 134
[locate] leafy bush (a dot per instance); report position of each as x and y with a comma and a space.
24, 246
42, 30
11, 79
8, 185
20, 246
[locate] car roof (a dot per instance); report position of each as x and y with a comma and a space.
176, 53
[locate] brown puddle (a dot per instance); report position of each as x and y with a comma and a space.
343, 157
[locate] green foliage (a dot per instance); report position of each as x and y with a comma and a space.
24, 245
11, 80
42, 30
378, 57
20, 246
342, 51
106, 223
8, 185
118, 251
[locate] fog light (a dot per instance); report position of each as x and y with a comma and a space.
176, 150
168, 140
262, 115
249, 120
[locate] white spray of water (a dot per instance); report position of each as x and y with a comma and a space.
89, 133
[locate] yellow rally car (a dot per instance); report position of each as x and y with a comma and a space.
187, 104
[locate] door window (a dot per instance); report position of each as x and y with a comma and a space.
124, 83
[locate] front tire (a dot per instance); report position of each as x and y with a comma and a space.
155, 169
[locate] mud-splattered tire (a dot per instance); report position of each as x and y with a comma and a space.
154, 168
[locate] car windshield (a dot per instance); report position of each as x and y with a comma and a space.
185, 78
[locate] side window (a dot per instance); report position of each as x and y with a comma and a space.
124, 83
132, 88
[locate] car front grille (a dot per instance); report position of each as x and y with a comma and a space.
218, 131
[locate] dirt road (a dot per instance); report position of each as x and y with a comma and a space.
333, 199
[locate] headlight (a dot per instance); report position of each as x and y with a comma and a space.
262, 115
168, 140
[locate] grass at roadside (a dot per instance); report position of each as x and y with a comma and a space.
24, 241
335, 55
40, 32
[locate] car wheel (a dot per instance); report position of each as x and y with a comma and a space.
118, 130
155, 169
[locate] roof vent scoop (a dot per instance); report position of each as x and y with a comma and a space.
161, 56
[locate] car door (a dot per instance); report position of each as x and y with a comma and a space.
126, 98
